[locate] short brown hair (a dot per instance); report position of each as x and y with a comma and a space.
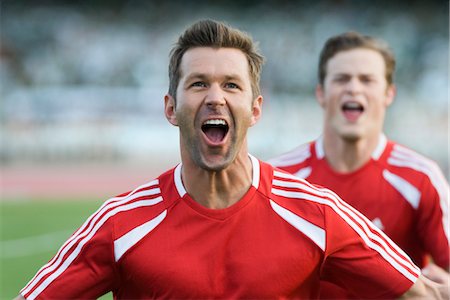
351, 40
209, 33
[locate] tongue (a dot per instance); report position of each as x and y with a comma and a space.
352, 115
215, 134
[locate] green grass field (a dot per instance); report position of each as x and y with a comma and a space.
31, 233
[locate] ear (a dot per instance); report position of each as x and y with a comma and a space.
256, 110
391, 92
320, 95
170, 109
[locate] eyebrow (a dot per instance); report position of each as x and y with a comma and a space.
196, 75
204, 76
350, 75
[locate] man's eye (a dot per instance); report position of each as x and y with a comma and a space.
366, 80
341, 79
199, 84
231, 85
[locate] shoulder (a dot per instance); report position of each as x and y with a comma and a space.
302, 197
415, 168
131, 209
317, 211
293, 157
402, 156
135, 214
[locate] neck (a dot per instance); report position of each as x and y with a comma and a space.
346, 156
218, 189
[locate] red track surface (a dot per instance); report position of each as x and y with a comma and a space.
75, 181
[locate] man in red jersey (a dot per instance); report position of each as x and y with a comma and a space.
222, 224
400, 191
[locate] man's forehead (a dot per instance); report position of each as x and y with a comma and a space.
359, 60
206, 61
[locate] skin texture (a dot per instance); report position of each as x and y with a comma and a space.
353, 76
214, 84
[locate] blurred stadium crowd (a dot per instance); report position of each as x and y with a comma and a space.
83, 81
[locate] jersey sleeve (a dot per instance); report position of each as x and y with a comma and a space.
361, 259
82, 268
432, 220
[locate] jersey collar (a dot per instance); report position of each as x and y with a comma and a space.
255, 177
376, 154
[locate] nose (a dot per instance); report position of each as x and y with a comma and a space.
353, 86
215, 96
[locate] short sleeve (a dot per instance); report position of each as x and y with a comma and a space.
83, 268
432, 221
363, 260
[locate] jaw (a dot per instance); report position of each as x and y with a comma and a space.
218, 158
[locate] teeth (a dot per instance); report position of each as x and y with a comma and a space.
215, 122
352, 105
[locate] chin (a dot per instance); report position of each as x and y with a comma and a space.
215, 165
351, 136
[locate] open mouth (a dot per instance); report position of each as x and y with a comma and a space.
352, 110
352, 107
215, 129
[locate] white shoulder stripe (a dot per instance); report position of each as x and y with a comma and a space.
87, 227
304, 173
128, 240
315, 192
404, 157
406, 189
85, 239
368, 232
315, 233
363, 233
293, 157
285, 175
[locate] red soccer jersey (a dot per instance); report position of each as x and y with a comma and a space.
278, 241
402, 192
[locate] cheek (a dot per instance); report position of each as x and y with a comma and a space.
331, 107
248, 117
184, 116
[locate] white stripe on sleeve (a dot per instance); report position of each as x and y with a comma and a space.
315, 233
128, 240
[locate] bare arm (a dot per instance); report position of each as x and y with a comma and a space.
424, 288
436, 274
20, 297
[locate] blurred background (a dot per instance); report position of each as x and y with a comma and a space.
82, 87
82, 83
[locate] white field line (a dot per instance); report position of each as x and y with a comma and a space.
33, 245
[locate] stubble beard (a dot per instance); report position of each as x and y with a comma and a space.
201, 160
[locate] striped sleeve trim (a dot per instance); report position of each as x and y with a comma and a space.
128, 240
296, 156
315, 233
289, 186
404, 157
406, 189
145, 195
